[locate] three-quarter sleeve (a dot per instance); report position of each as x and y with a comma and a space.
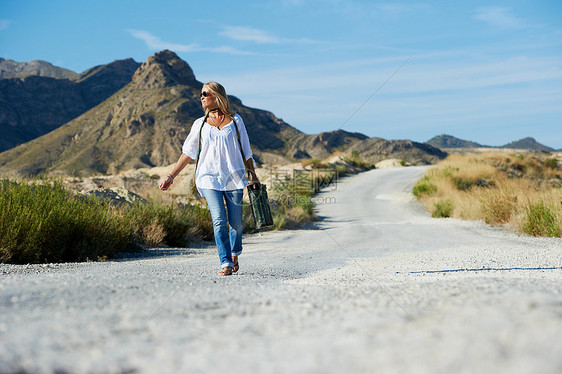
191, 144
244, 139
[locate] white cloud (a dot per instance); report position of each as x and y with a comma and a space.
431, 91
155, 43
4, 24
499, 17
424, 74
249, 34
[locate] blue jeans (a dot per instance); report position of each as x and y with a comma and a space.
227, 223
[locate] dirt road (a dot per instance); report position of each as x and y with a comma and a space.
376, 287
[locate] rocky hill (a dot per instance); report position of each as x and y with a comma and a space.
35, 105
14, 69
377, 149
145, 123
448, 141
321, 145
529, 143
102, 81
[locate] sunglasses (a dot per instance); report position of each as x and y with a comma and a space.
205, 94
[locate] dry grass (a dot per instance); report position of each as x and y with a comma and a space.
518, 191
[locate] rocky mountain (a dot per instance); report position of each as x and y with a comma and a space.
102, 81
142, 125
322, 145
145, 123
35, 105
448, 141
14, 69
377, 149
528, 143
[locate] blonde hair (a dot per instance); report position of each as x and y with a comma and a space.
220, 95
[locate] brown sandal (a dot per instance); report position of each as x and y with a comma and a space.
227, 270
236, 265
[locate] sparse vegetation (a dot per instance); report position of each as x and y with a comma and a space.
551, 163
442, 209
355, 160
522, 191
423, 187
291, 195
291, 202
542, 220
174, 224
314, 162
42, 221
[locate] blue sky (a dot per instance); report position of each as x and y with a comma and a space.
487, 71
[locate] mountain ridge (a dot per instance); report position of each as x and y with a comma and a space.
35, 105
145, 122
448, 141
13, 69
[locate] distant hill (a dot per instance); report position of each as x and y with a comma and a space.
377, 149
528, 143
448, 141
13, 69
35, 105
145, 122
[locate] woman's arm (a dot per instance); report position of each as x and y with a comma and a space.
180, 165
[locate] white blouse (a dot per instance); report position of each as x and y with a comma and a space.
220, 165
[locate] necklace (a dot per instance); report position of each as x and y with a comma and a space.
215, 123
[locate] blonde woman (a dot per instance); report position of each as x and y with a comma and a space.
219, 144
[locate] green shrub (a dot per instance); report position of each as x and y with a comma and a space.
403, 162
423, 188
355, 160
291, 200
462, 184
448, 171
551, 163
541, 220
279, 221
43, 222
155, 223
443, 209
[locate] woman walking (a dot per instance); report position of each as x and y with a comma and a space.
220, 146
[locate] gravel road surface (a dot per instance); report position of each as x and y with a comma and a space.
377, 286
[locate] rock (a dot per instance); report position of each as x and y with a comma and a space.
483, 183
336, 160
389, 163
117, 196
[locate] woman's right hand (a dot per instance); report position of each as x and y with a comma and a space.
253, 180
165, 183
